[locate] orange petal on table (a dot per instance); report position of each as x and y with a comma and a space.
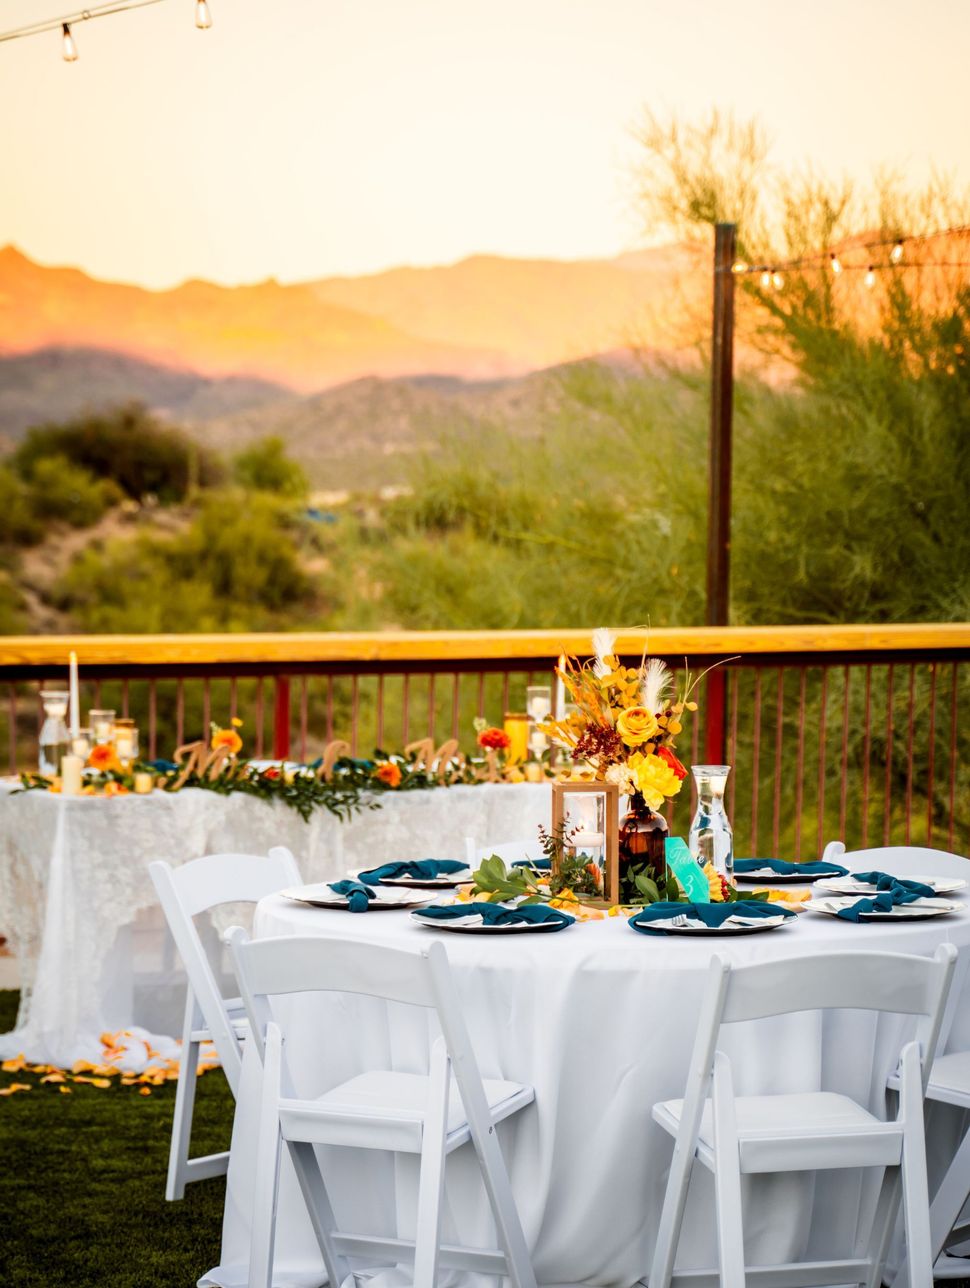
109, 1039
15, 1086
15, 1065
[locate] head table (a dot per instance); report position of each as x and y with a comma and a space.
600, 1020
81, 915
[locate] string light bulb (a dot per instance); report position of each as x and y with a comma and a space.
870, 278
68, 47
739, 266
203, 18
765, 280
835, 263
896, 254
777, 280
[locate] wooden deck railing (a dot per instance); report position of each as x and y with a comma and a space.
832, 730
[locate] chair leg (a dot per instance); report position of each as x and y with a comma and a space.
431, 1184
266, 1190
318, 1207
672, 1213
178, 1153
948, 1202
916, 1199
727, 1176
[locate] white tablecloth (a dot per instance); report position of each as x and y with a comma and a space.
600, 1020
80, 912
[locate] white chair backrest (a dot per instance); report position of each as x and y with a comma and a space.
899, 860
889, 982
509, 851
267, 968
196, 887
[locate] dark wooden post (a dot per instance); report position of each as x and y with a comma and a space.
719, 490
281, 718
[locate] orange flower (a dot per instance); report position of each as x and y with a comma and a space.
389, 773
115, 789
227, 738
104, 757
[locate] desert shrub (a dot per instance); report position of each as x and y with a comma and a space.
20, 525
128, 446
265, 467
61, 490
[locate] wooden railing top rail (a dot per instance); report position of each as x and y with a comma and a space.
455, 646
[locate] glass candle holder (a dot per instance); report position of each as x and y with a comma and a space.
516, 726
102, 725
538, 706
125, 739
81, 743
54, 737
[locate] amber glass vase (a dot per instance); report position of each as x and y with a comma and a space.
641, 850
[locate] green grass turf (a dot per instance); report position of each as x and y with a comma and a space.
82, 1184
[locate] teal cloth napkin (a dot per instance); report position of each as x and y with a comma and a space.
496, 914
358, 895
420, 869
711, 914
784, 868
540, 865
892, 892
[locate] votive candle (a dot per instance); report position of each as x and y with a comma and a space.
144, 782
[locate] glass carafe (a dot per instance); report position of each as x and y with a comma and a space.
711, 839
54, 738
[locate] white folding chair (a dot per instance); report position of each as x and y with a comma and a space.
899, 860
429, 1115
510, 852
184, 892
811, 1131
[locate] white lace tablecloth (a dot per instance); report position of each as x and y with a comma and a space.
79, 909
601, 1021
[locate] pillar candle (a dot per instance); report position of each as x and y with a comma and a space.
71, 767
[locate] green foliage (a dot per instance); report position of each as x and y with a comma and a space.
21, 526
61, 490
265, 467
128, 446
235, 568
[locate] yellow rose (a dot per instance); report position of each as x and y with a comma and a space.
656, 781
636, 725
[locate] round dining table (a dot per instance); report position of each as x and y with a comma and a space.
600, 1020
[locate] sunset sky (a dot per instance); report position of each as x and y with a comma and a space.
304, 138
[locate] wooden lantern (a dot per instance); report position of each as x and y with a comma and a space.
605, 828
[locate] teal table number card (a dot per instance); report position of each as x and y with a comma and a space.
692, 880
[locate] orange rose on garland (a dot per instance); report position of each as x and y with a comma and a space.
226, 738
104, 758
493, 739
389, 774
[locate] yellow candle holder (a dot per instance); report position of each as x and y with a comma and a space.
516, 727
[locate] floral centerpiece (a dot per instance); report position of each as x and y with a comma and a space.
623, 728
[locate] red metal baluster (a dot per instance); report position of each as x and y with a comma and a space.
505, 693
152, 720
481, 694
844, 780
931, 756
281, 718
304, 715
755, 760
866, 751
233, 698
12, 725
800, 764
259, 716
179, 712
909, 752
779, 734
354, 713
953, 757
124, 699
887, 798
380, 711
695, 742
732, 738
820, 828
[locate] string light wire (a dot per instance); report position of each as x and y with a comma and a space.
832, 260
77, 16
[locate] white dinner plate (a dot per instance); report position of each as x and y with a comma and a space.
445, 882
761, 875
320, 895
852, 885
698, 928
471, 925
920, 910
